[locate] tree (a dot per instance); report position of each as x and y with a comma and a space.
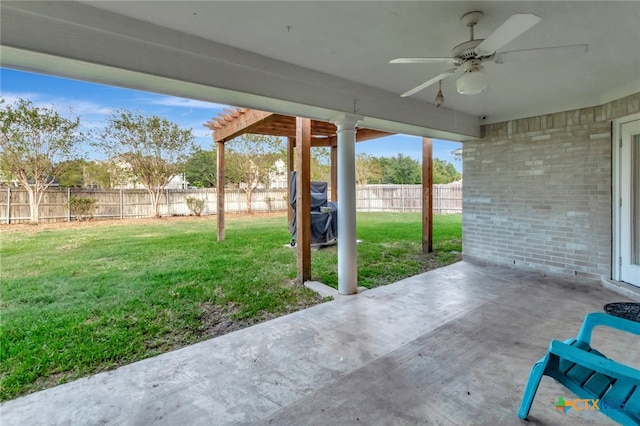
84, 174
320, 168
35, 143
367, 169
149, 146
444, 172
401, 170
250, 161
200, 168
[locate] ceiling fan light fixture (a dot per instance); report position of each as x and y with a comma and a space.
473, 81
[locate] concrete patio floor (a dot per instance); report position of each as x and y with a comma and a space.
453, 346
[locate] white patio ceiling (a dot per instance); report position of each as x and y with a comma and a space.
319, 58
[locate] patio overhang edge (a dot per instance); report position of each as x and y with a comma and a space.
135, 53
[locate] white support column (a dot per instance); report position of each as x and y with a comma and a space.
347, 250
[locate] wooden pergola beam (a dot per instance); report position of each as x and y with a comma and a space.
368, 134
213, 125
232, 123
427, 195
245, 123
232, 112
323, 142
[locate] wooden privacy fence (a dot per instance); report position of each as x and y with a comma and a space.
447, 198
134, 203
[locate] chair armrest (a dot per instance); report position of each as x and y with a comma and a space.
596, 319
594, 362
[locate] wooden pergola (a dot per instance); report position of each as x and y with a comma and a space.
301, 134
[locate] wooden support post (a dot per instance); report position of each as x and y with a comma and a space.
291, 144
303, 200
427, 195
220, 188
334, 169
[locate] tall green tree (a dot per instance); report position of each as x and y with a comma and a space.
444, 172
401, 170
151, 147
250, 160
84, 174
35, 143
368, 169
320, 169
200, 168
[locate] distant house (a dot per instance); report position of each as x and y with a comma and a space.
278, 176
6, 181
122, 178
178, 182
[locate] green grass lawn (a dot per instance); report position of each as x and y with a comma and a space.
80, 299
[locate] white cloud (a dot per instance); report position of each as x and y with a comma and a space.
11, 97
201, 133
173, 101
87, 107
62, 104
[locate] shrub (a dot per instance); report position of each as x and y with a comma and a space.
83, 207
269, 202
196, 205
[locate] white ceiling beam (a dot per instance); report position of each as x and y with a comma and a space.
80, 41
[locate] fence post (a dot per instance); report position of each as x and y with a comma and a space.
166, 192
447, 199
8, 205
68, 204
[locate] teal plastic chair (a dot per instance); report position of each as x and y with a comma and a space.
589, 374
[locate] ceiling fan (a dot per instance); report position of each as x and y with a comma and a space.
469, 56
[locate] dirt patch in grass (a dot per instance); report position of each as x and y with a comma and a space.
217, 320
431, 261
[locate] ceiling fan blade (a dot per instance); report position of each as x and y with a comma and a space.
541, 54
423, 61
429, 82
508, 31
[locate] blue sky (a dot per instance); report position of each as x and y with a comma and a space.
93, 103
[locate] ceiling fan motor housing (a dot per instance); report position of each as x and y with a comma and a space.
465, 51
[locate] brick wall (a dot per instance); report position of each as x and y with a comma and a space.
537, 191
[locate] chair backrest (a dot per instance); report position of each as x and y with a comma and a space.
596, 319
